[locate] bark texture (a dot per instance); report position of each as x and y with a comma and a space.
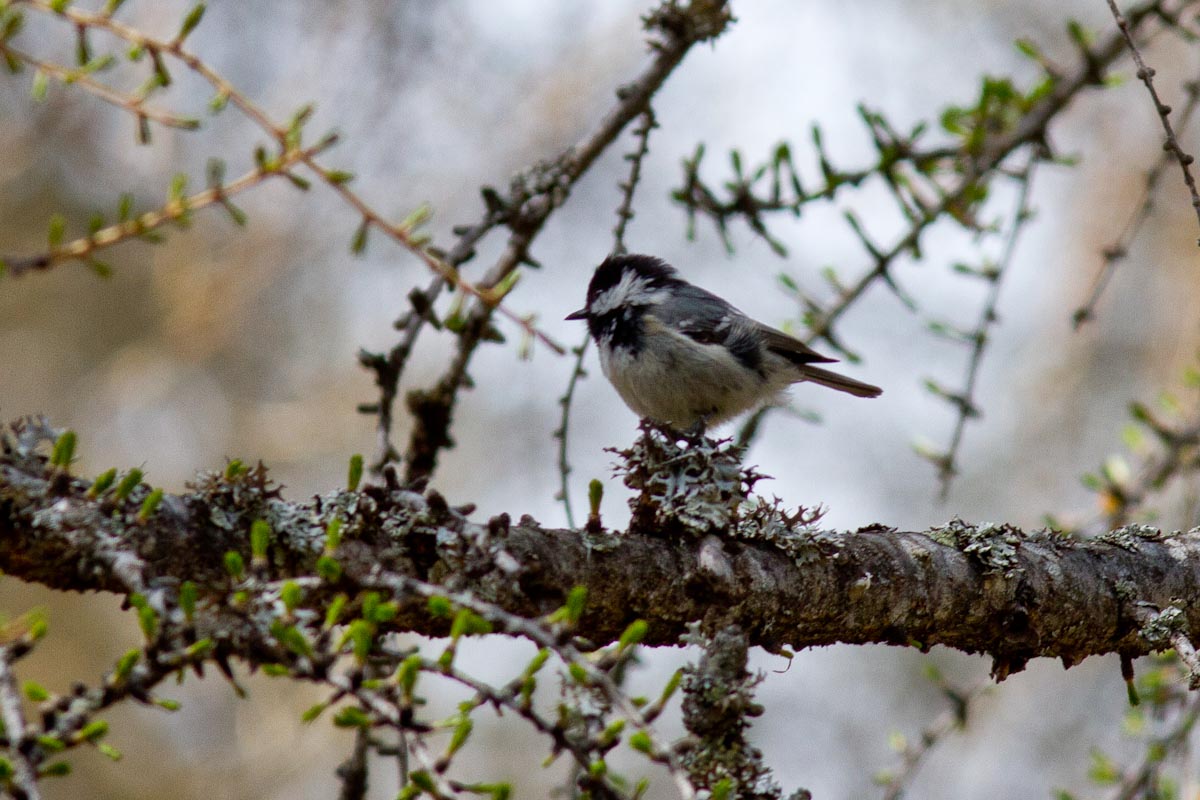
993, 589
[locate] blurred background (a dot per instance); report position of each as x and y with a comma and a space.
226, 342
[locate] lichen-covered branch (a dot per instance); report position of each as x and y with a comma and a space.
718, 703
24, 773
716, 557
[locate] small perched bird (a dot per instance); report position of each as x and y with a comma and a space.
681, 356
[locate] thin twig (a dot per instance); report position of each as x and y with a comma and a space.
564, 423
949, 721
624, 214
965, 404
134, 104
629, 186
1146, 75
24, 774
1119, 249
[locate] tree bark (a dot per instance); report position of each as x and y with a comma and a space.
992, 589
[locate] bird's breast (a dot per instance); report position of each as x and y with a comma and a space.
671, 378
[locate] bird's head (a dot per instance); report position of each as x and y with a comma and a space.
626, 283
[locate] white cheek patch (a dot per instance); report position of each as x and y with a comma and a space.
631, 290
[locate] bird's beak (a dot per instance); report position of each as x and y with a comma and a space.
580, 314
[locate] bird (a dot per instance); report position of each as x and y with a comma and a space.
681, 356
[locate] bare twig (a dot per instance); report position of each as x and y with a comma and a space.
964, 401
564, 422
624, 214
629, 186
1146, 75
1119, 249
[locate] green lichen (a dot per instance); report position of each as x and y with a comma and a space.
1130, 537
694, 488
1166, 624
994, 548
689, 486
793, 532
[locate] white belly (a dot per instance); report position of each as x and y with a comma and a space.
679, 381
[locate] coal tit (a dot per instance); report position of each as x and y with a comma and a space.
681, 356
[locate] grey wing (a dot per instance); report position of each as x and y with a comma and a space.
790, 347
699, 314
707, 319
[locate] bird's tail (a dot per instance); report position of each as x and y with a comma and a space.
840, 382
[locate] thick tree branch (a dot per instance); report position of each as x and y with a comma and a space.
992, 589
